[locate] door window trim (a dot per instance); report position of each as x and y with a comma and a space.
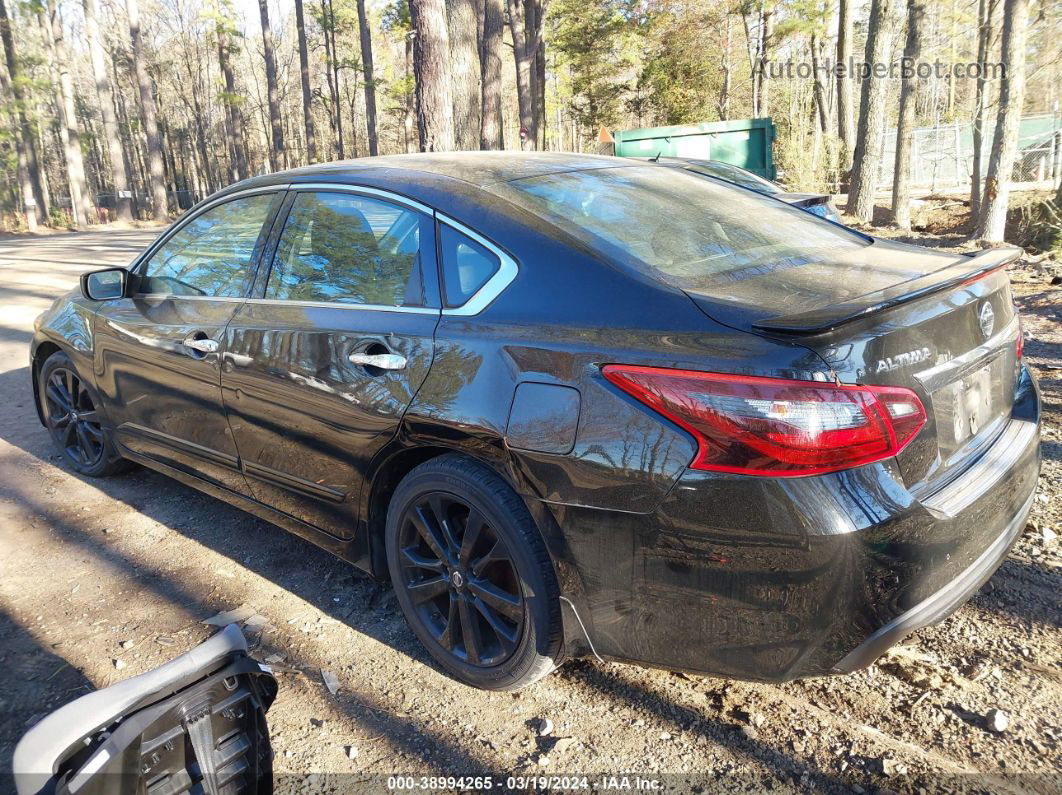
270, 252
493, 287
182, 222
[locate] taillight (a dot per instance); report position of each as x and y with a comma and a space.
771, 426
1020, 347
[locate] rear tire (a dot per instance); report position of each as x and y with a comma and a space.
472, 574
70, 408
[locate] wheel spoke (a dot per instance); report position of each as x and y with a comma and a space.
473, 526
423, 525
85, 444
427, 589
505, 603
94, 431
506, 636
89, 416
414, 560
470, 631
442, 519
71, 385
59, 397
497, 553
446, 638
68, 434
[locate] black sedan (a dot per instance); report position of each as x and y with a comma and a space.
571, 406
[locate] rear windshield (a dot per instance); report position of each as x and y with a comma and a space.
690, 232
731, 173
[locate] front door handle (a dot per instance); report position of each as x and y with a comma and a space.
203, 345
385, 361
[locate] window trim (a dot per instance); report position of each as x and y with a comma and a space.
194, 213
273, 244
493, 287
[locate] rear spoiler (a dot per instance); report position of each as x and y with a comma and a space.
968, 268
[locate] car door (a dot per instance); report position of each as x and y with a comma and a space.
157, 353
323, 361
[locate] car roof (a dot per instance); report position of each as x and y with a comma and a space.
476, 168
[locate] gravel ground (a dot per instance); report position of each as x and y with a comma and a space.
105, 579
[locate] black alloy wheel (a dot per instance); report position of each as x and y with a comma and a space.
71, 412
461, 580
472, 574
73, 417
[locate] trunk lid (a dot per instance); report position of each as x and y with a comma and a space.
943, 325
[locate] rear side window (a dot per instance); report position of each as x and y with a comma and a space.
467, 265
211, 254
349, 249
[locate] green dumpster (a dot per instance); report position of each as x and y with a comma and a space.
748, 143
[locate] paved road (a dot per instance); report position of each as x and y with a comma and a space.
87, 565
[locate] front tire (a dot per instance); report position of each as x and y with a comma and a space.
472, 574
70, 408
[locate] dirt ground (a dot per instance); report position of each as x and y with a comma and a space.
103, 579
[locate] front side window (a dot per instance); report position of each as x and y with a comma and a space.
349, 249
211, 254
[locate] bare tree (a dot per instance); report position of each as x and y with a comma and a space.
275, 124
901, 179
431, 69
156, 172
304, 74
81, 209
993, 217
464, 70
370, 82
526, 45
232, 98
33, 199
985, 36
872, 108
845, 119
490, 131
119, 179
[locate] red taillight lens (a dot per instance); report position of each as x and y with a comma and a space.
1020, 348
771, 426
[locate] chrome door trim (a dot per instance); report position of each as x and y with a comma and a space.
507, 270
412, 310
376, 193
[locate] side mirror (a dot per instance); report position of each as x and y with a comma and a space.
104, 285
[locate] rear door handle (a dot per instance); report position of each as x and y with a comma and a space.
203, 345
385, 361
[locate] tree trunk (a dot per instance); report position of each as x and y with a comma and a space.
275, 124
408, 105
370, 82
525, 48
464, 64
304, 73
33, 199
233, 113
490, 132
763, 78
431, 69
727, 68
993, 218
82, 208
119, 179
147, 110
901, 179
845, 121
872, 108
980, 114
539, 81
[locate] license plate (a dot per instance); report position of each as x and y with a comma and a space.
973, 406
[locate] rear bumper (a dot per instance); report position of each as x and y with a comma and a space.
776, 579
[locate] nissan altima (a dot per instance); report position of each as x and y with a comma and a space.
571, 406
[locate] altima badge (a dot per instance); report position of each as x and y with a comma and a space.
906, 359
987, 319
